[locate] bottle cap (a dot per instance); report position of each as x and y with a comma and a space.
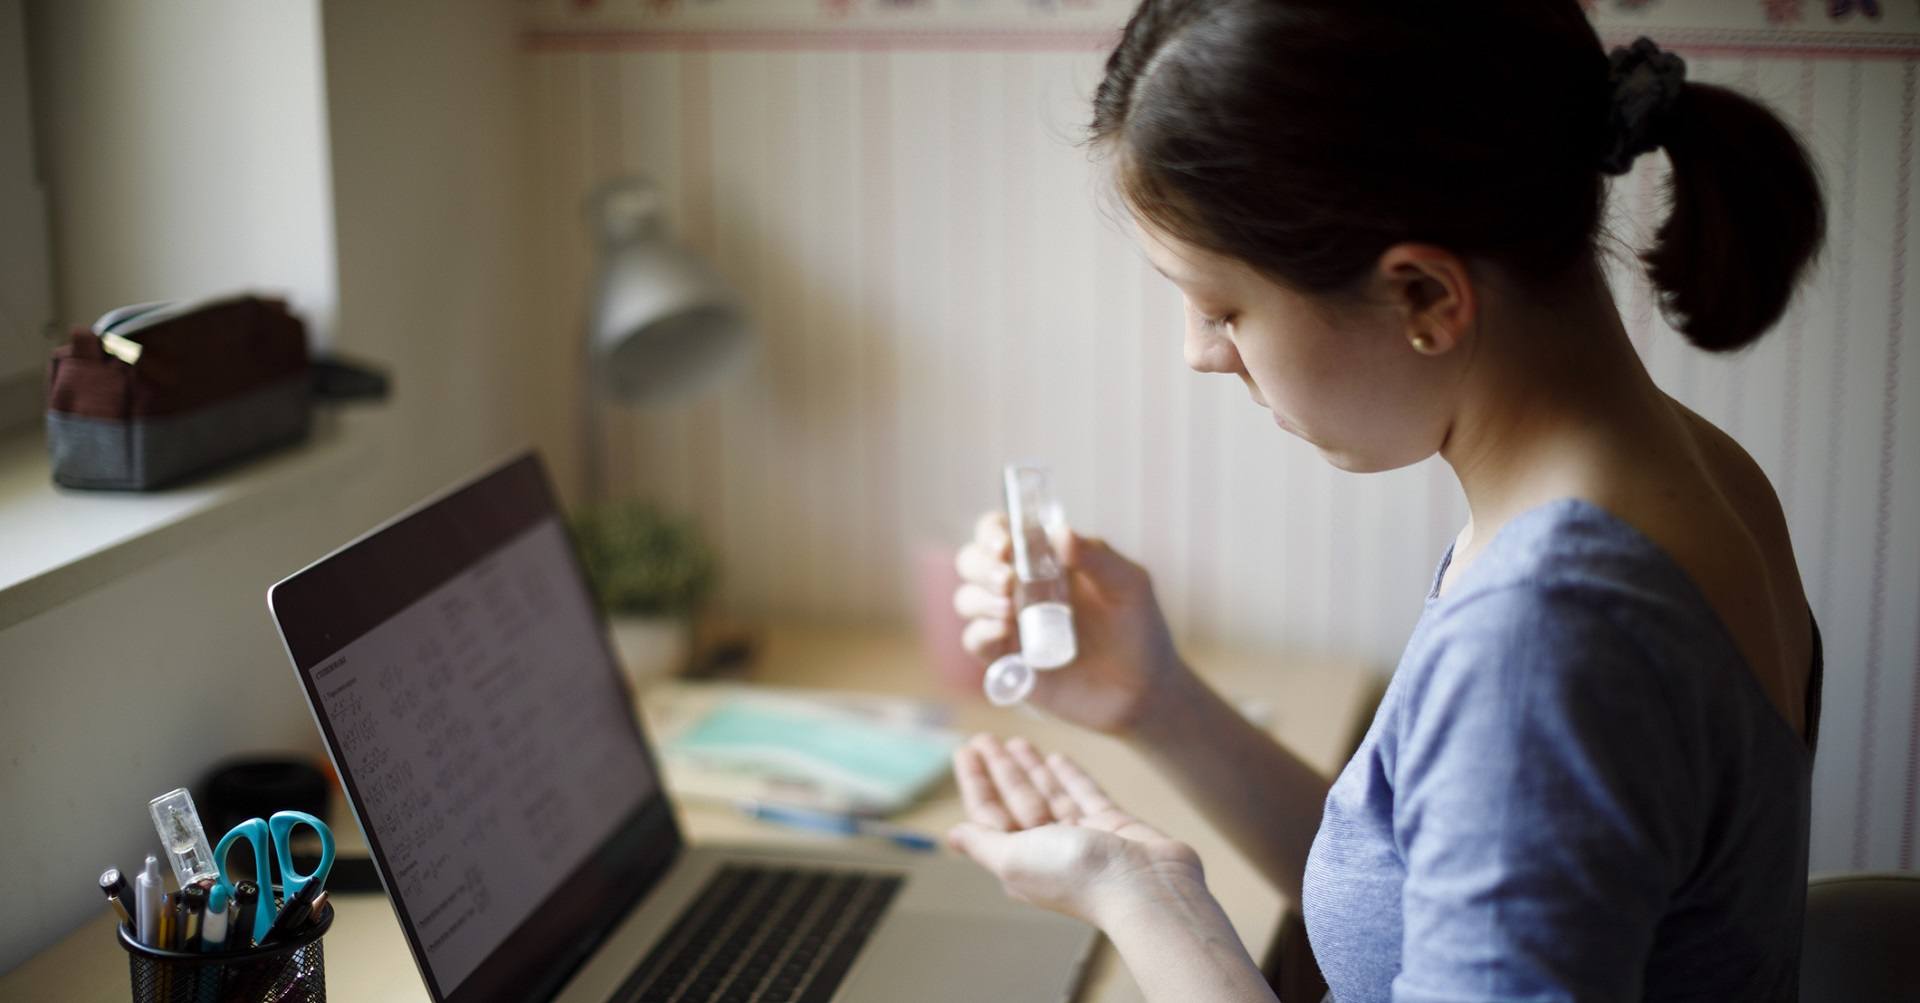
1008, 680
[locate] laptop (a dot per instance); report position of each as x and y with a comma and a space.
462, 679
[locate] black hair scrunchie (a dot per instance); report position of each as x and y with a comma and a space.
1646, 84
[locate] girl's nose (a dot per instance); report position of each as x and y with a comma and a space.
1210, 351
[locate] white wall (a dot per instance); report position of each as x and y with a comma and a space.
424, 109
186, 145
142, 685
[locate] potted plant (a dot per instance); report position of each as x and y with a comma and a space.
651, 573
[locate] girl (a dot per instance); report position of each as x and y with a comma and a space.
1588, 779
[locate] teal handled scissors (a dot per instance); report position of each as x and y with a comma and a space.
276, 830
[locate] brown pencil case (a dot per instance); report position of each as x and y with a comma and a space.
154, 393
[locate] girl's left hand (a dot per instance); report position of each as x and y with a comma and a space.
1055, 839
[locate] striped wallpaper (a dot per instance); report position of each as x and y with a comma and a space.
939, 289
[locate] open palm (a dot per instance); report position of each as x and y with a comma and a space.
1052, 836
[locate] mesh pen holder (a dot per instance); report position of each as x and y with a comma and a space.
291, 971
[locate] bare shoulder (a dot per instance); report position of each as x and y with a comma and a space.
1746, 488
1756, 587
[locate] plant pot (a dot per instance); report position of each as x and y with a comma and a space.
651, 648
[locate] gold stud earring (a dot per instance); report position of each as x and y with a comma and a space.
1422, 343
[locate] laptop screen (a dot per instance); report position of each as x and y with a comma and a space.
458, 668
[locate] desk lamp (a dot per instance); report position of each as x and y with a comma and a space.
662, 324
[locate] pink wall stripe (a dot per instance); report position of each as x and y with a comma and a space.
696, 195
1842, 323
876, 322
1895, 335
1796, 327
1889, 426
1640, 307
1775, 45
1907, 817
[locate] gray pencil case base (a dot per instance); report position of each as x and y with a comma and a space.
147, 453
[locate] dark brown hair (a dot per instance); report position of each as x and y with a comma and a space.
1305, 137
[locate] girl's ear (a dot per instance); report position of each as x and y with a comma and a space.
1432, 290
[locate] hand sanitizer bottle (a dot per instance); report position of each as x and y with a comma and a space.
1040, 589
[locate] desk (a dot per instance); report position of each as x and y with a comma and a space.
1318, 709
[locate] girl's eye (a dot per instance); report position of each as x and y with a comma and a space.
1216, 323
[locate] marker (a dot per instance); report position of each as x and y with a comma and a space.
147, 891
193, 903
213, 930
246, 895
119, 895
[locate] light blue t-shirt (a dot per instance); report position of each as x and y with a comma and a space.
1573, 789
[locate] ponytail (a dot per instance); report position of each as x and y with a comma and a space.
1745, 219
1280, 133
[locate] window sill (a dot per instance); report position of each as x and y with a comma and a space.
60, 543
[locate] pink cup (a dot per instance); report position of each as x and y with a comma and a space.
940, 627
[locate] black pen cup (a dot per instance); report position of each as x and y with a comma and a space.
291, 971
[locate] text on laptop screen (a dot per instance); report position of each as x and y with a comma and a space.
489, 742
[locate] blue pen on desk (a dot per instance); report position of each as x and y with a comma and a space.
839, 823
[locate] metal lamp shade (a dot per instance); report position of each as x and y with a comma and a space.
663, 322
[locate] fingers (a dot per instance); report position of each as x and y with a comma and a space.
1059, 803
984, 845
977, 793
1086, 794
975, 603
989, 639
1017, 793
990, 532
985, 568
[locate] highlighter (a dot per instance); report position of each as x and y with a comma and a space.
213, 930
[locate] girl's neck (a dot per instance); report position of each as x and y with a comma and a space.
1556, 404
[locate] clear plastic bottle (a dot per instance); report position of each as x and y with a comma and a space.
1040, 589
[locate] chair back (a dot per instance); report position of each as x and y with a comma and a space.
1862, 938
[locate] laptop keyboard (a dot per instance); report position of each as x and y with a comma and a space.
763, 935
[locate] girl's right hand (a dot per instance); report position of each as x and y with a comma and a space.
1126, 657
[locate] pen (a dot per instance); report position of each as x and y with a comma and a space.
193, 903
246, 896
840, 823
164, 940
119, 895
172, 917
147, 892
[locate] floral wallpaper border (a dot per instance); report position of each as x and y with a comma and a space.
1865, 28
